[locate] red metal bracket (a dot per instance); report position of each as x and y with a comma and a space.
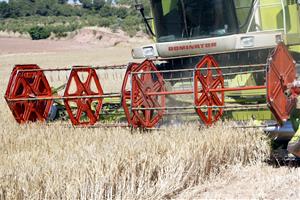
147, 109
27, 81
280, 74
204, 98
82, 85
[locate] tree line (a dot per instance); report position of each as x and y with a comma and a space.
104, 8
23, 8
60, 16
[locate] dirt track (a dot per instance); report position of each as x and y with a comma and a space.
238, 182
19, 45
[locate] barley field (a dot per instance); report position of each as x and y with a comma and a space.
55, 161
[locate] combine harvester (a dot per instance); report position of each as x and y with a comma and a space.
212, 59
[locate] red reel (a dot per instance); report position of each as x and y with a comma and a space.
82, 85
27, 82
281, 72
208, 102
126, 94
146, 79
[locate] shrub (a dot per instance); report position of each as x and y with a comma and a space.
131, 25
104, 22
39, 32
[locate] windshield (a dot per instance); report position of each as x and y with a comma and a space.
190, 19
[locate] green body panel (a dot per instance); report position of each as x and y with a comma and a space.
246, 97
292, 37
295, 48
273, 12
249, 114
295, 119
168, 5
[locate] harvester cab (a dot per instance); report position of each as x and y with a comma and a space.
188, 28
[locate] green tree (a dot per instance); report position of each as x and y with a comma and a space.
4, 10
39, 32
106, 11
146, 4
45, 7
62, 1
21, 8
98, 4
88, 4
131, 25
121, 12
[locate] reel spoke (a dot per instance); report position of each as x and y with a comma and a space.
202, 99
157, 86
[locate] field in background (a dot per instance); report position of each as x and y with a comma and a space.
40, 161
